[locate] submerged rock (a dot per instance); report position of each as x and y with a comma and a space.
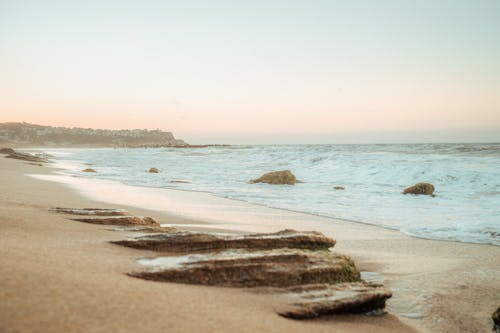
120, 220
338, 187
27, 157
310, 301
240, 268
7, 151
89, 170
193, 241
90, 211
496, 320
276, 178
154, 170
420, 188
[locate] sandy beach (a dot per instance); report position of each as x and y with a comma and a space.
60, 275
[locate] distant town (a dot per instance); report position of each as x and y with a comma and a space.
25, 134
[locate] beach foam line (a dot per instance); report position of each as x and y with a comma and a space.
208, 208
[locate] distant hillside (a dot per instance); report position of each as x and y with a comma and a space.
37, 135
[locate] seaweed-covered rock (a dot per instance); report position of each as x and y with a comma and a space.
240, 268
185, 241
496, 320
338, 187
89, 170
420, 188
277, 178
7, 151
153, 170
310, 301
120, 220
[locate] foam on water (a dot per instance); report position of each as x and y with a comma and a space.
466, 177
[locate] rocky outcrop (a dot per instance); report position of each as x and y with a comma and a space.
153, 170
120, 220
496, 320
420, 188
338, 187
277, 178
310, 301
119, 217
7, 151
185, 241
90, 211
309, 279
240, 268
89, 170
27, 157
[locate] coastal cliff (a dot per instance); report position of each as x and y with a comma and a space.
25, 134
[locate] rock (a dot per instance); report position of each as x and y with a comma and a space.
27, 157
338, 187
90, 211
120, 220
420, 188
7, 151
154, 170
496, 320
153, 229
310, 301
185, 241
180, 181
240, 268
89, 170
276, 178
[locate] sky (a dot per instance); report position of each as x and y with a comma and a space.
257, 71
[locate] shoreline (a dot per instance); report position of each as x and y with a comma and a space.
464, 214
79, 189
406, 264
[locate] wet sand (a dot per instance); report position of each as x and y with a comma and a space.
60, 275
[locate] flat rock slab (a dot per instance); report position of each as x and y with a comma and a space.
120, 220
241, 268
185, 241
89, 211
306, 302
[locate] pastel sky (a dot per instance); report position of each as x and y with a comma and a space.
257, 71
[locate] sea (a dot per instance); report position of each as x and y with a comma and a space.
466, 206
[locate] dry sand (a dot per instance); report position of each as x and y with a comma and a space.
58, 275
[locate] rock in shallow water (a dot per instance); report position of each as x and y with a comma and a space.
89, 170
240, 268
310, 301
192, 241
154, 170
420, 188
277, 178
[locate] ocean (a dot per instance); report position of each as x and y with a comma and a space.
466, 207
